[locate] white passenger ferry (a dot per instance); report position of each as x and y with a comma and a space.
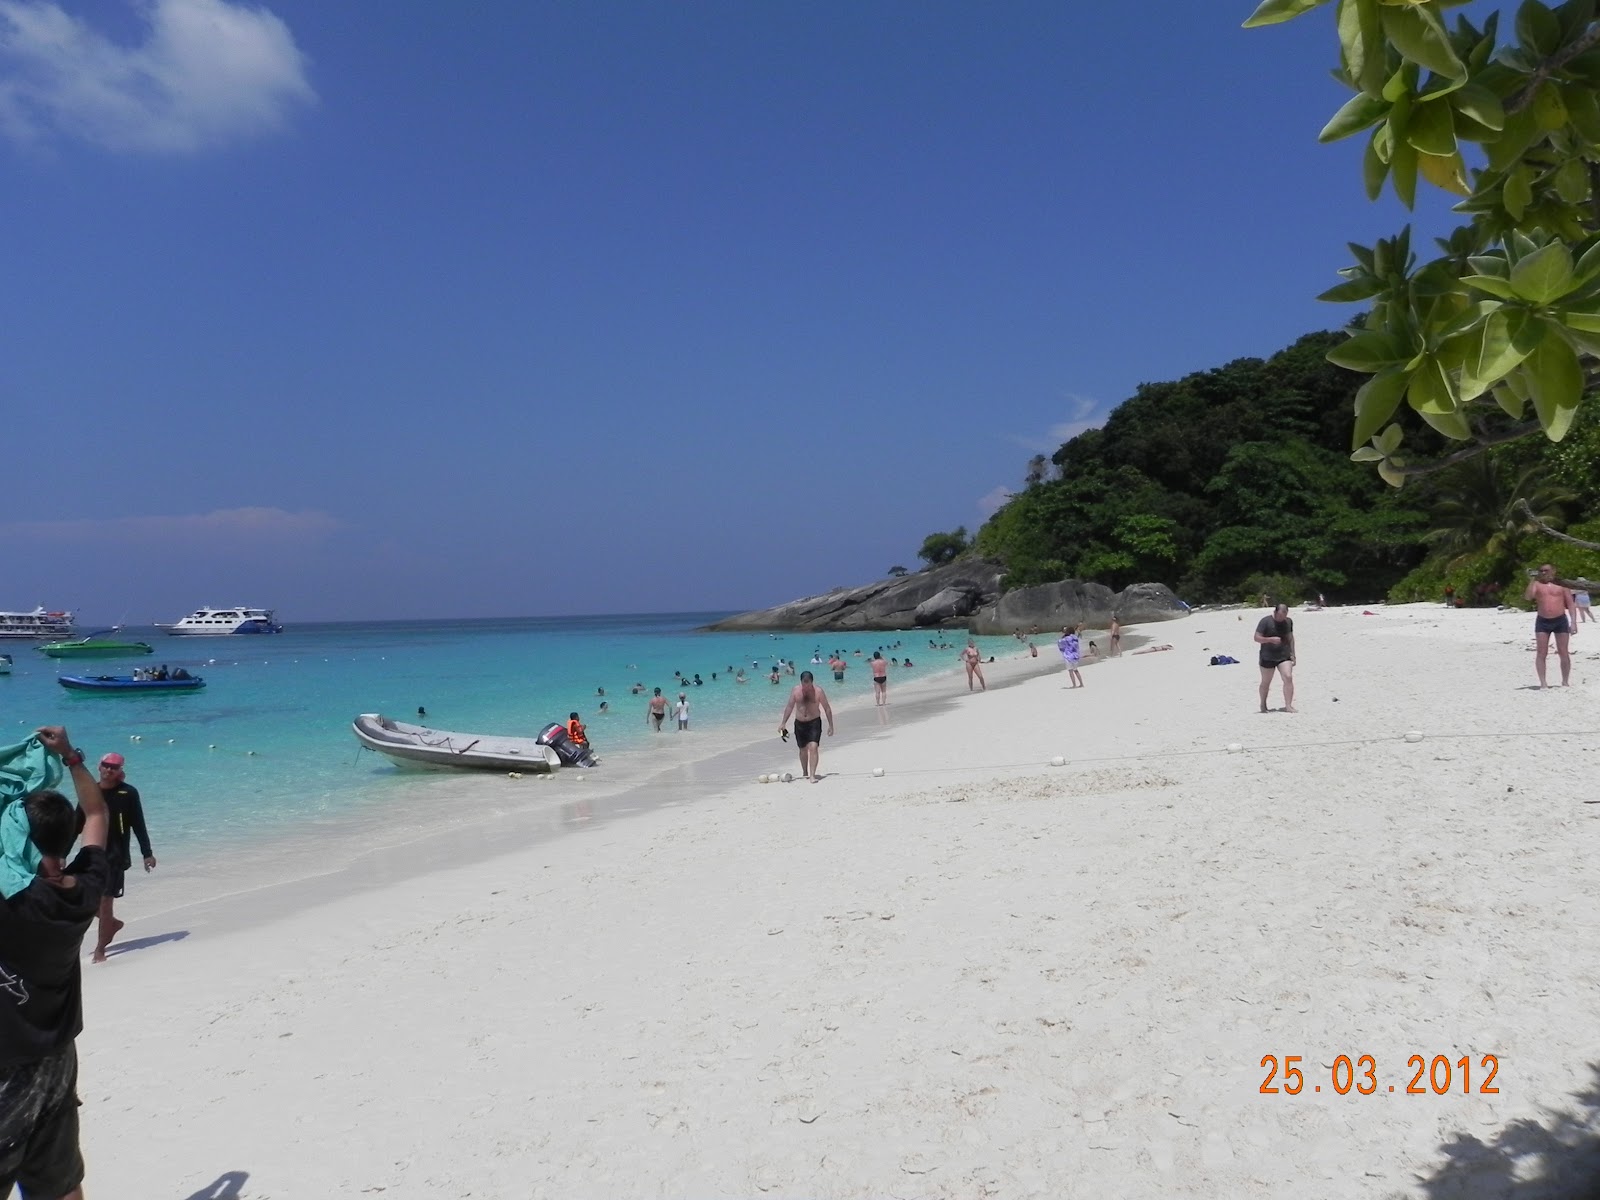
37, 624
214, 621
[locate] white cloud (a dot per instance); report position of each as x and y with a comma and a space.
1084, 414
206, 72
234, 526
994, 501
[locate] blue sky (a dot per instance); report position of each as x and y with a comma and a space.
415, 309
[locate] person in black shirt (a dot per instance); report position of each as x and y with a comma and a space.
41, 985
126, 817
1275, 636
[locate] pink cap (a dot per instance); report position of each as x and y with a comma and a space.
112, 760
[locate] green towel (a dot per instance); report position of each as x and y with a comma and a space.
24, 769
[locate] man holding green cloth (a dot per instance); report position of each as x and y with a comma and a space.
46, 905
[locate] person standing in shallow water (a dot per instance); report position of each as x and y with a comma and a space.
880, 679
655, 712
1275, 636
809, 704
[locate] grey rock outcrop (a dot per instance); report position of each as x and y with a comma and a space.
963, 595
904, 602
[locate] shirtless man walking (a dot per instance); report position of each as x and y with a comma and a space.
1557, 614
972, 658
809, 704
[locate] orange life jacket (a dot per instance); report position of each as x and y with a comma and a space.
575, 732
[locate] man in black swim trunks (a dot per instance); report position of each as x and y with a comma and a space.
809, 704
1558, 615
43, 917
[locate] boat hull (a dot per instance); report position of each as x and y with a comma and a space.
96, 650
126, 683
418, 747
243, 631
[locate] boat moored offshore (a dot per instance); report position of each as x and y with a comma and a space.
215, 621
37, 624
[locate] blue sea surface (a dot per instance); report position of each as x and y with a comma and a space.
266, 746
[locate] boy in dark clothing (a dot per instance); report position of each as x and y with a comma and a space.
125, 815
42, 923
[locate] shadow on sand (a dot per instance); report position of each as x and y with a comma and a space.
229, 1186
144, 943
1557, 1158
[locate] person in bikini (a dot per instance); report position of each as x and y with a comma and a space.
1558, 615
972, 659
655, 712
809, 704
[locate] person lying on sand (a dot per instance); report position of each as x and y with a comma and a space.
1153, 649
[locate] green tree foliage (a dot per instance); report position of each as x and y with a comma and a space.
1214, 479
941, 548
1477, 510
896, 572
1497, 337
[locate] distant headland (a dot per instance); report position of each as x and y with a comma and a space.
963, 595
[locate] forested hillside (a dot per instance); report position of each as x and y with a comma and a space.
1238, 480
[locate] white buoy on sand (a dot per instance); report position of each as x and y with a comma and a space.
877, 772
788, 777
763, 778
1414, 735
1235, 748
579, 778
1058, 761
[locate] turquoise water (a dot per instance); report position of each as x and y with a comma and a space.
266, 745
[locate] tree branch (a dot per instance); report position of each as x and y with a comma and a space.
1521, 506
1550, 66
1485, 442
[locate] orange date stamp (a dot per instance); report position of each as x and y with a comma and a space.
1436, 1076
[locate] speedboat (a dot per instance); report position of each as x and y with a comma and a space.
419, 746
37, 624
127, 683
97, 645
215, 621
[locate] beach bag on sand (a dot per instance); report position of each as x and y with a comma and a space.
1222, 660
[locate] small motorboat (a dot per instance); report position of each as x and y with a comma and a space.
104, 644
5, 664
127, 683
419, 746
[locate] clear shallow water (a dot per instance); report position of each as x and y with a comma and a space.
289, 699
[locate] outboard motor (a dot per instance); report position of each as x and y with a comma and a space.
568, 751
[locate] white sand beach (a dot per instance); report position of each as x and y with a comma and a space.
978, 975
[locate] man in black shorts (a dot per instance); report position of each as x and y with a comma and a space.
45, 909
125, 816
809, 704
1275, 636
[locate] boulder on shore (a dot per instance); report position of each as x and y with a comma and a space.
963, 595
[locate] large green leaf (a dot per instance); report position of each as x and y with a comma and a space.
1376, 401
1555, 379
1493, 285
1513, 405
1452, 424
1549, 109
1496, 348
1374, 169
1572, 181
1518, 193
1270, 12
1367, 351
1432, 128
1538, 29
1363, 287
1479, 103
1583, 111
1544, 275
1419, 34
1448, 172
1359, 112
1585, 317
1361, 43
1403, 170
1430, 390
1520, 132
